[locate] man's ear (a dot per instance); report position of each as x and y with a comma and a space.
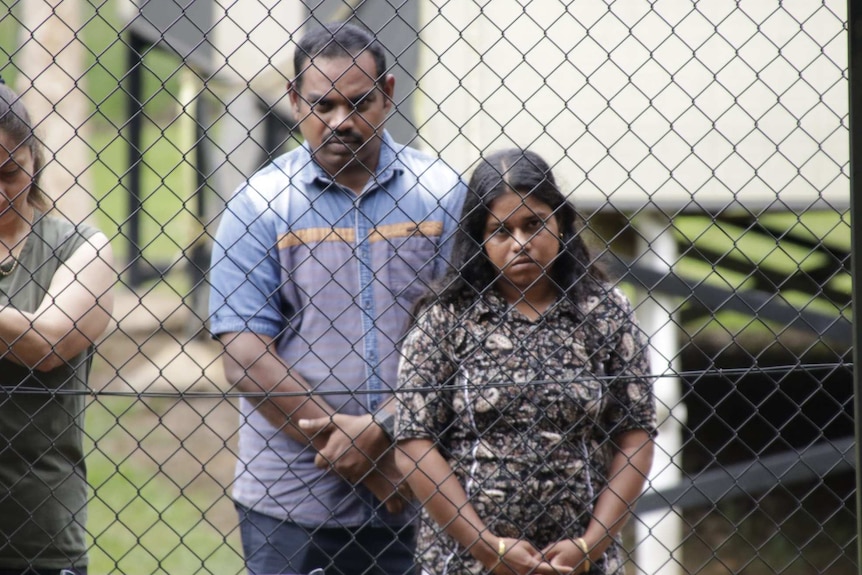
388, 87
293, 95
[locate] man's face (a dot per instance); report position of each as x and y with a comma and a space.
341, 110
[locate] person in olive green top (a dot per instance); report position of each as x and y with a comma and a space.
55, 301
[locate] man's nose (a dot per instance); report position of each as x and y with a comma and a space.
341, 116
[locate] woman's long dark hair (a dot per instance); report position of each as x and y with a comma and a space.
471, 273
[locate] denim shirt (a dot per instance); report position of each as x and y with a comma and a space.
331, 275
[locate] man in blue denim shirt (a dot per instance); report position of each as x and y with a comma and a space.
316, 264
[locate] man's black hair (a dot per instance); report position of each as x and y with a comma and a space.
337, 40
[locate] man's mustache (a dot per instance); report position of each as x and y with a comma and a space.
348, 136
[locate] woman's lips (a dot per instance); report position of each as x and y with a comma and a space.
520, 263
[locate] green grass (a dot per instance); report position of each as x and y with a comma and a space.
140, 519
167, 213
107, 64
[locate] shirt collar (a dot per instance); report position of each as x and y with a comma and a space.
492, 302
387, 164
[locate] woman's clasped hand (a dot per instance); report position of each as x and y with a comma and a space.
520, 557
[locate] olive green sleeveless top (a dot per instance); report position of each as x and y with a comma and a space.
43, 486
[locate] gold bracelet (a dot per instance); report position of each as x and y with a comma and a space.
582, 545
501, 547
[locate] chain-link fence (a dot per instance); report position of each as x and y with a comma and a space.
705, 148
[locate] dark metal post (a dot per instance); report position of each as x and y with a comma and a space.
198, 259
135, 111
854, 21
203, 167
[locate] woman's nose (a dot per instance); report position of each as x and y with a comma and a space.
522, 238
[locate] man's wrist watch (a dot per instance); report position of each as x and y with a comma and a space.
386, 421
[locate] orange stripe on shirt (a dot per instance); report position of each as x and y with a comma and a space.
348, 235
406, 229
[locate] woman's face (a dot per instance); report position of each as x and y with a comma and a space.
522, 240
16, 173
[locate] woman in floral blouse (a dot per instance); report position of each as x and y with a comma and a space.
526, 417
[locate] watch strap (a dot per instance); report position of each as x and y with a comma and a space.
386, 421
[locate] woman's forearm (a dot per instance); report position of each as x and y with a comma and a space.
437, 488
628, 472
73, 314
42, 342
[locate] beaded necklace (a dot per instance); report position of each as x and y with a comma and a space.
5, 272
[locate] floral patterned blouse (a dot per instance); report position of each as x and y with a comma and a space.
525, 412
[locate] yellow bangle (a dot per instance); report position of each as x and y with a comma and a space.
582, 545
501, 547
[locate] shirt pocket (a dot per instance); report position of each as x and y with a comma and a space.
410, 267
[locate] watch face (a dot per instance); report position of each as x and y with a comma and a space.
386, 421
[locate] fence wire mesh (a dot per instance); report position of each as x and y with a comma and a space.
705, 148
